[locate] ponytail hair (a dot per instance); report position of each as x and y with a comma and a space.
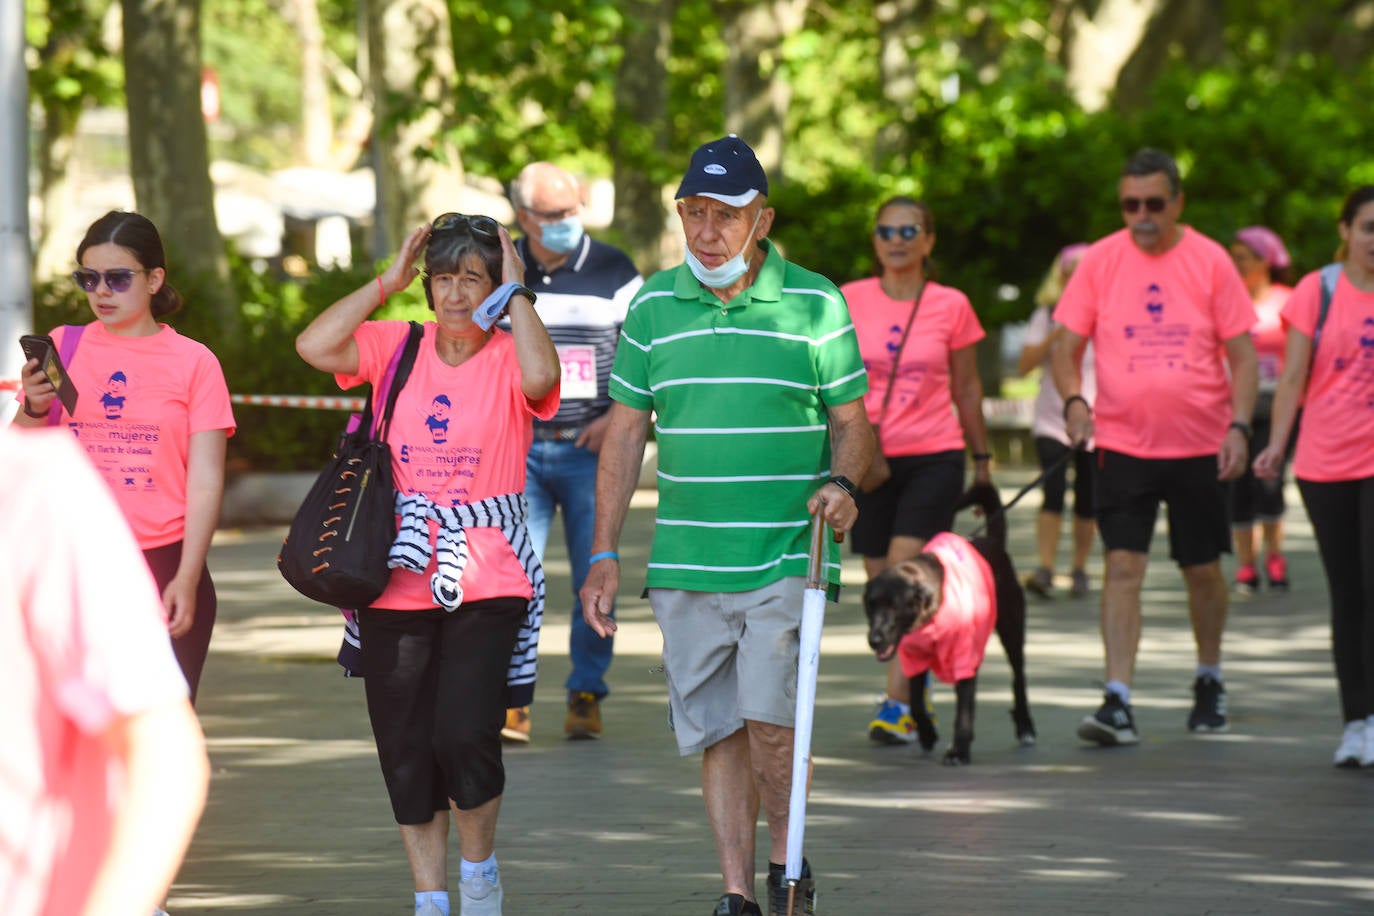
137, 235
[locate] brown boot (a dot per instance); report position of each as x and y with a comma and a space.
517, 730
584, 717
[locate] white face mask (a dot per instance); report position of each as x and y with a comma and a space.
729, 271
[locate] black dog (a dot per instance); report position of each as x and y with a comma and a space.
906, 597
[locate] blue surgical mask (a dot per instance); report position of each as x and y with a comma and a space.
561, 237
729, 271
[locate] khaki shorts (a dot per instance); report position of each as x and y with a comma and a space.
729, 657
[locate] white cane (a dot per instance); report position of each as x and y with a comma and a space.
808, 663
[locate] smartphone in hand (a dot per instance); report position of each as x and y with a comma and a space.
41, 348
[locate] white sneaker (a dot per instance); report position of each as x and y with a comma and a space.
1354, 749
479, 896
429, 908
1367, 756
159, 911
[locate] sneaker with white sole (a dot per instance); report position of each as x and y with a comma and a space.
480, 895
1367, 757
428, 908
1209, 706
1111, 725
890, 725
1352, 747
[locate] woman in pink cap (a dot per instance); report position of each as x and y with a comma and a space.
1265, 267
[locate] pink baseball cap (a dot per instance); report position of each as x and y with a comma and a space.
1266, 243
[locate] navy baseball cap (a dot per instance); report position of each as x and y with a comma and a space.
726, 170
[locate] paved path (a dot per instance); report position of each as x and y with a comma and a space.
1255, 821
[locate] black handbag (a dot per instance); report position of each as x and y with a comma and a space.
336, 549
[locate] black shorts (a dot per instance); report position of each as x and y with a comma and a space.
917, 501
1129, 491
436, 695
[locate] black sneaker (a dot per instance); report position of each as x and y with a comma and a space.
736, 905
1111, 725
1209, 706
804, 902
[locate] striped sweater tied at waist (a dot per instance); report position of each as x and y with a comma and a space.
411, 551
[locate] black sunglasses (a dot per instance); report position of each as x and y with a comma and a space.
118, 280
477, 225
907, 232
1152, 204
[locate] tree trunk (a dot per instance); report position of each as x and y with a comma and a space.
639, 144
1191, 29
54, 154
898, 28
756, 100
168, 150
317, 124
1098, 46
410, 54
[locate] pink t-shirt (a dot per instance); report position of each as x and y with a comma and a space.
952, 645
1270, 335
1158, 324
1336, 436
139, 401
920, 418
459, 435
75, 661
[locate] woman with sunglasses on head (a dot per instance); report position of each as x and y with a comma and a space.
153, 414
1264, 266
449, 644
1329, 371
917, 339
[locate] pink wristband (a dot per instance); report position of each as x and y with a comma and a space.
381, 289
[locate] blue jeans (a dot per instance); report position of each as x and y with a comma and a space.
561, 474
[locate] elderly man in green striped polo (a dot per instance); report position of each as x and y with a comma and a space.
751, 366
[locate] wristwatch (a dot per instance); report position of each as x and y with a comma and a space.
523, 291
1244, 428
844, 483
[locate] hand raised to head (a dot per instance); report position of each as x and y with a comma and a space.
402, 271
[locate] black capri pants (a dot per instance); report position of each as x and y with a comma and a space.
1056, 482
436, 696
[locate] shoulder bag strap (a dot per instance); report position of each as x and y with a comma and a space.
397, 372
1331, 273
897, 357
71, 336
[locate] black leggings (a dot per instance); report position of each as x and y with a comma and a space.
436, 696
1342, 515
192, 648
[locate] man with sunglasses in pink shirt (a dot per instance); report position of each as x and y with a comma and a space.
1166, 312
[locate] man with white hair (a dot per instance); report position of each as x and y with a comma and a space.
752, 369
584, 289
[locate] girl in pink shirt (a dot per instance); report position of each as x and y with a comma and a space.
917, 340
449, 643
153, 415
1334, 463
1264, 265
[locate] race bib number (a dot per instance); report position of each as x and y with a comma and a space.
579, 372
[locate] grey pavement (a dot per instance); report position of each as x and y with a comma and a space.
1254, 821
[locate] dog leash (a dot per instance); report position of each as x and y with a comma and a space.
1049, 469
